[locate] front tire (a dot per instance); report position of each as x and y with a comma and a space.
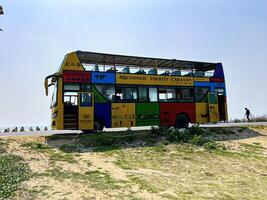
98, 125
182, 121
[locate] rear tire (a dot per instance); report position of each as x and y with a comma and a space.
182, 121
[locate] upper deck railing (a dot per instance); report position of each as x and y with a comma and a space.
144, 65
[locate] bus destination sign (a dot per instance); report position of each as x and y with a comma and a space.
153, 80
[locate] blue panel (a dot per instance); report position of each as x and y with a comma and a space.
211, 85
103, 77
103, 112
218, 73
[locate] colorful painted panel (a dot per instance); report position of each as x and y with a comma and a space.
103, 77
218, 73
202, 112
86, 111
147, 114
103, 113
76, 77
201, 79
169, 111
123, 114
71, 62
213, 107
212, 86
153, 80
99, 98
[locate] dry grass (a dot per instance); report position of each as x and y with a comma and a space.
140, 171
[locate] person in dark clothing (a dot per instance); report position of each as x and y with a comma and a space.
248, 114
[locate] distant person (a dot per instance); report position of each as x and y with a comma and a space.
248, 114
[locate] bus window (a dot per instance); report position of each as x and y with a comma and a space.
153, 94
126, 94
185, 94
167, 94
86, 87
107, 91
201, 93
70, 98
71, 87
85, 100
142, 94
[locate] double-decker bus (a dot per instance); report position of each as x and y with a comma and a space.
97, 90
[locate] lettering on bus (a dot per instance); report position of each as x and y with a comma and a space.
73, 64
153, 80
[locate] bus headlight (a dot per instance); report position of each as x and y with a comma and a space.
54, 115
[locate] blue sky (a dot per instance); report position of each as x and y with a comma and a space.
37, 35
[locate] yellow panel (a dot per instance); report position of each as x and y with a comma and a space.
213, 107
71, 62
214, 113
153, 80
202, 112
201, 79
58, 108
123, 114
86, 118
86, 113
226, 112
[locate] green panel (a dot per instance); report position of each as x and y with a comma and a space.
212, 98
98, 97
147, 114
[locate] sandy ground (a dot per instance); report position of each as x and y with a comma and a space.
44, 186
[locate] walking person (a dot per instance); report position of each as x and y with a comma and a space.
248, 114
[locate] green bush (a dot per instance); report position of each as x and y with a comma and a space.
198, 140
213, 146
13, 170
196, 130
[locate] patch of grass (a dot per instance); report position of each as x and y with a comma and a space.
3, 146
252, 149
144, 185
70, 148
65, 157
108, 139
13, 171
96, 179
53, 154
214, 146
39, 147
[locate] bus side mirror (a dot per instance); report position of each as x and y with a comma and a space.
46, 87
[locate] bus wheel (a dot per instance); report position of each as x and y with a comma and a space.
182, 121
98, 125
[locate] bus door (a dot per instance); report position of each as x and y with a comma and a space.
86, 111
221, 103
213, 107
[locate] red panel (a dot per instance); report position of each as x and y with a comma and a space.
76, 76
169, 111
217, 80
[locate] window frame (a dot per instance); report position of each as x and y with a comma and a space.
126, 100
